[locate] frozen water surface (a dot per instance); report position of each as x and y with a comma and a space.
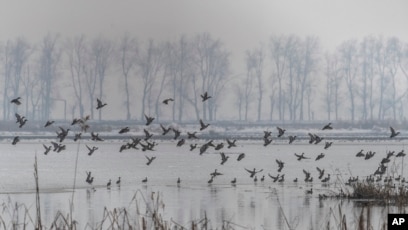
249, 204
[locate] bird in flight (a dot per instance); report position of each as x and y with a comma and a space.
205, 96
16, 101
253, 172
393, 132
48, 123
327, 127
149, 120
166, 101
100, 104
281, 131
203, 126
150, 160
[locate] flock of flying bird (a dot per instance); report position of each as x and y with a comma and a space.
148, 144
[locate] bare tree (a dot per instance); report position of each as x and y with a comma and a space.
180, 68
76, 51
48, 68
309, 65
283, 55
394, 54
149, 62
16, 56
212, 62
367, 50
333, 79
256, 58
128, 50
349, 64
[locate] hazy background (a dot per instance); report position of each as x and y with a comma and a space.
239, 24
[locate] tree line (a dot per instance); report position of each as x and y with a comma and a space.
289, 78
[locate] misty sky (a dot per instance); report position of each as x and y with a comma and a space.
240, 24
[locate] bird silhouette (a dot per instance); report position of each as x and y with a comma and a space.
224, 158
280, 131
164, 129
327, 127
166, 101
47, 149
231, 143
124, 130
149, 120
91, 150
148, 135
301, 156
150, 159
205, 96
16, 139
118, 182
240, 156
203, 126
176, 133
393, 133
181, 142
48, 123
320, 156
291, 139
100, 104
193, 146
16, 101
95, 137
253, 172
192, 135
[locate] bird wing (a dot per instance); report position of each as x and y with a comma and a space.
392, 130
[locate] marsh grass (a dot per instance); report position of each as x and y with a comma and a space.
144, 212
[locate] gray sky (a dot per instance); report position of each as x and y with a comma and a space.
241, 24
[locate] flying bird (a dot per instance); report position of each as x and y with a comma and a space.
149, 120
327, 127
100, 104
15, 140
150, 159
301, 156
124, 130
166, 101
320, 156
281, 131
48, 123
47, 149
291, 139
393, 133
231, 143
203, 126
165, 131
16, 101
240, 156
205, 96
192, 135
253, 172
224, 158
91, 150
